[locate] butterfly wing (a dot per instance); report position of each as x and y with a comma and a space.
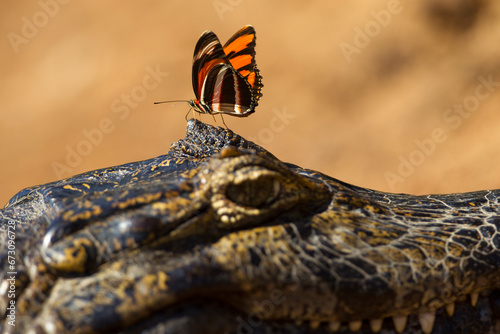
218, 87
207, 53
228, 92
240, 50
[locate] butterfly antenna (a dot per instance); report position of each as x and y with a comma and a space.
172, 101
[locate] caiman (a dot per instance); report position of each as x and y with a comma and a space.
219, 236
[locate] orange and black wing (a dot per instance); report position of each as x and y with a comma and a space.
218, 87
240, 50
207, 54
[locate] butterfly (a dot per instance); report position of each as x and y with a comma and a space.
226, 79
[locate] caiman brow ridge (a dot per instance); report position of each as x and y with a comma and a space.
220, 236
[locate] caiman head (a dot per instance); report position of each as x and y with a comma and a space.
219, 236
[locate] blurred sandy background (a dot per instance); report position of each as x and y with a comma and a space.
362, 84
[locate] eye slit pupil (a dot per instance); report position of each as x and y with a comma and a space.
254, 193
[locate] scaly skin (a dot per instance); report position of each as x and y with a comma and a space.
219, 236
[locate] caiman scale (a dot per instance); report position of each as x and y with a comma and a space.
219, 236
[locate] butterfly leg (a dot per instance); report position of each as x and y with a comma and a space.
222, 117
186, 117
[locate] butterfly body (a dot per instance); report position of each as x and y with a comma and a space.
225, 78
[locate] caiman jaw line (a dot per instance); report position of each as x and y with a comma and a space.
425, 318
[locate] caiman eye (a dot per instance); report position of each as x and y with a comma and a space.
254, 193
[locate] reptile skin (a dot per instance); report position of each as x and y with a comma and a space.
219, 236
